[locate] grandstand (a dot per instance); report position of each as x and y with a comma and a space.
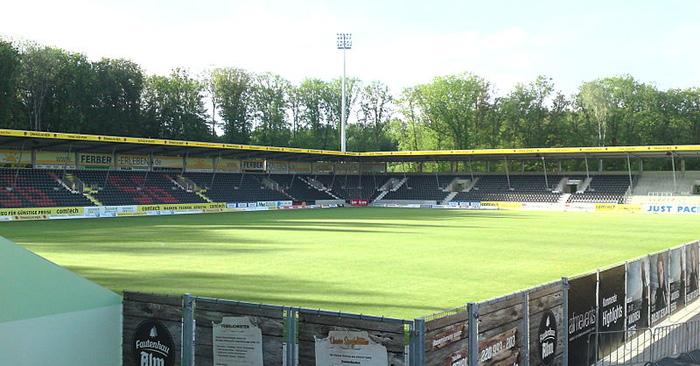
62, 170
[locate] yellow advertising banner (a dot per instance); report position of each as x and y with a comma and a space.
15, 157
167, 162
347, 168
132, 161
504, 205
54, 158
46, 211
181, 207
323, 168
200, 163
228, 165
280, 167
299, 167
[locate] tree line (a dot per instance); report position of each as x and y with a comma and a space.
49, 89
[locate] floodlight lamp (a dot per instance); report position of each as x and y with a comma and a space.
344, 41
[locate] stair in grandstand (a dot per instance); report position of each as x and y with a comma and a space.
184, 183
201, 194
315, 184
472, 184
88, 195
401, 182
449, 198
564, 197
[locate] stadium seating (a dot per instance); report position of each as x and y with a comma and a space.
349, 187
52, 188
36, 188
604, 189
114, 188
236, 187
516, 188
421, 188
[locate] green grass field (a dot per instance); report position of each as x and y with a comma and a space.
379, 261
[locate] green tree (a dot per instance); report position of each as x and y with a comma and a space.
233, 92
9, 73
40, 68
374, 114
526, 116
117, 88
270, 103
457, 107
174, 107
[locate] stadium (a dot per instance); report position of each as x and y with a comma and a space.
206, 253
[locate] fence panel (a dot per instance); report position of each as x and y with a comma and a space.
500, 331
152, 329
326, 339
233, 332
446, 339
546, 325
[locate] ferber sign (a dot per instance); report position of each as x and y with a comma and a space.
350, 348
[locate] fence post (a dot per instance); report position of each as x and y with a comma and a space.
565, 318
418, 343
188, 330
290, 357
526, 331
473, 350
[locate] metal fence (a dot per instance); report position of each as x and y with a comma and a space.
641, 346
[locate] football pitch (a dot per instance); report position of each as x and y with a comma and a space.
380, 261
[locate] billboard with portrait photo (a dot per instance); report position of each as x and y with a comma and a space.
659, 288
676, 280
691, 272
638, 294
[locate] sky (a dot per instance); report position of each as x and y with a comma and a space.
401, 43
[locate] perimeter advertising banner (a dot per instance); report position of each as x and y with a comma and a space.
299, 167
611, 319
200, 164
322, 167
95, 160
278, 167
582, 315
253, 165
167, 162
228, 165
139, 162
659, 299
347, 168
691, 272
15, 157
51, 159
638, 294
677, 279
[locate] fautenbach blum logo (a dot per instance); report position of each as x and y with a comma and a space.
153, 345
547, 337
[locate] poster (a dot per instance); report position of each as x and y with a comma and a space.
676, 280
582, 315
502, 349
638, 294
659, 289
237, 341
350, 348
691, 272
611, 301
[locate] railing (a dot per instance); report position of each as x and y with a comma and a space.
637, 347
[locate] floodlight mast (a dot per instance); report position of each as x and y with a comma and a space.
344, 43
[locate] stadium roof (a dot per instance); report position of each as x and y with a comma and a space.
54, 141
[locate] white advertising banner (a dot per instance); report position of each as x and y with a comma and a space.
350, 348
237, 341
